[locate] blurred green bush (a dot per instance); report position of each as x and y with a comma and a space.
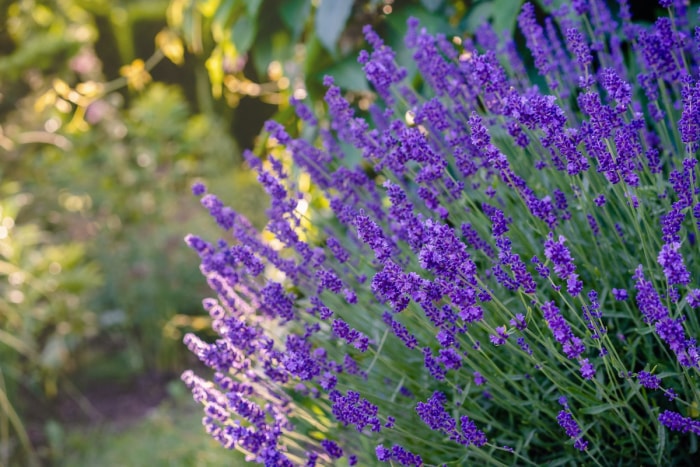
94, 203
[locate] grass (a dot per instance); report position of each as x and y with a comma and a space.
170, 435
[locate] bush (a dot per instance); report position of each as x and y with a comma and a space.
489, 272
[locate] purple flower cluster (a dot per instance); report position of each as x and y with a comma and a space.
399, 454
374, 317
648, 380
676, 422
672, 262
433, 414
668, 329
564, 267
351, 409
572, 346
572, 429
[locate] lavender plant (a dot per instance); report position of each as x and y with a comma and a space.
494, 272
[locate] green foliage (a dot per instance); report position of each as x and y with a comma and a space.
44, 317
44, 35
309, 40
519, 406
169, 435
329, 21
502, 14
94, 203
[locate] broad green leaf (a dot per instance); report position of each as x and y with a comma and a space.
192, 30
331, 17
252, 7
433, 23
348, 74
294, 14
505, 15
317, 60
222, 18
269, 47
478, 14
243, 33
431, 5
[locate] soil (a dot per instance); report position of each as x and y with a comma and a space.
119, 405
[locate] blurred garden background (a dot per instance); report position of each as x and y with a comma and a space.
109, 111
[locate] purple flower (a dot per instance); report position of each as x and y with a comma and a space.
405, 457
670, 394
438, 214
332, 448
524, 346
379, 66
593, 224
276, 302
400, 331
576, 42
617, 89
587, 369
671, 222
198, 189
444, 254
619, 294
500, 337
519, 322
648, 380
676, 422
337, 249
571, 345
693, 298
437, 418
536, 41
689, 124
472, 435
559, 255
311, 459
352, 409
672, 262
671, 331
541, 269
328, 280
399, 454
573, 431
648, 299
371, 234
383, 454
450, 358
434, 415
433, 365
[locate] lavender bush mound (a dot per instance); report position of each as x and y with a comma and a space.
486, 271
